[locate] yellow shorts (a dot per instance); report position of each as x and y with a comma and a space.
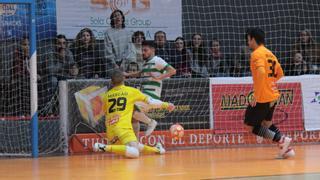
121, 136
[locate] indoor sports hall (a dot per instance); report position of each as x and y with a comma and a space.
159, 89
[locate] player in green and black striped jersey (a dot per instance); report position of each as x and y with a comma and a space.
154, 70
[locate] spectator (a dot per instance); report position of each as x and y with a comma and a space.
309, 50
119, 51
217, 66
74, 72
133, 67
21, 79
137, 38
87, 55
180, 58
160, 40
55, 66
241, 62
199, 57
299, 66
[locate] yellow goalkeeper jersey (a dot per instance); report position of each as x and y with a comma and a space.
119, 104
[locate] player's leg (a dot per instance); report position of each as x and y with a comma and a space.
253, 120
139, 114
128, 151
128, 144
142, 117
284, 142
136, 127
158, 149
268, 121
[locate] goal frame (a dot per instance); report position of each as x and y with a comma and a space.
33, 73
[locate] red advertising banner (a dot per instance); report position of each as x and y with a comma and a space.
82, 143
229, 102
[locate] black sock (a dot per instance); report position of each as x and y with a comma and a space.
263, 132
278, 134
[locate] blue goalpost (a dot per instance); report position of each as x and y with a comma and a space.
33, 72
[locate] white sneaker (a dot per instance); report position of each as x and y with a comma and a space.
98, 147
160, 148
284, 144
151, 127
289, 153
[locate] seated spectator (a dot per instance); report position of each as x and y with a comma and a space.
55, 66
86, 54
309, 50
199, 57
133, 67
180, 58
241, 62
137, 39
162, 49
119, 50
217, 66
299, 66
74, 72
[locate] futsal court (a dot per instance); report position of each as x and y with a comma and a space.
220, 163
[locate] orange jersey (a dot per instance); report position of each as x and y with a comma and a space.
264, 87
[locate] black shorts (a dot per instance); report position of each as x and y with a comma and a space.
262, 111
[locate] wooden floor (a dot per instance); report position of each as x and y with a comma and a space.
238, 163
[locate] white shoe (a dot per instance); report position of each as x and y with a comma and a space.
289, 153
160, 148
151, 127
98, 147
284, 144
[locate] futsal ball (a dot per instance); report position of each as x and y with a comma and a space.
176, 131
289, 153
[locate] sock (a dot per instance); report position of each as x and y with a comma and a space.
278, 134
263, 132
127, 151
142, 117
136, 128
147, 149
118, 149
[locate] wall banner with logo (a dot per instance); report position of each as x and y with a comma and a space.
83, 143
149, 16
311, 101
298, 106
229, 102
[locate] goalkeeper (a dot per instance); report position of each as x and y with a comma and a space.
118, 106
155, 70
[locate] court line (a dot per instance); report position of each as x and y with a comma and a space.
261, 176
171, 174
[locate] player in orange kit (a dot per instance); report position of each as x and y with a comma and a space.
266, 71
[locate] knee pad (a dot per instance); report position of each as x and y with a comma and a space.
132, 152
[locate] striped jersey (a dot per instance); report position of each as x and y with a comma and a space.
153, 68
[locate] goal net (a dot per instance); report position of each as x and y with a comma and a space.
211, 89
15, 72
